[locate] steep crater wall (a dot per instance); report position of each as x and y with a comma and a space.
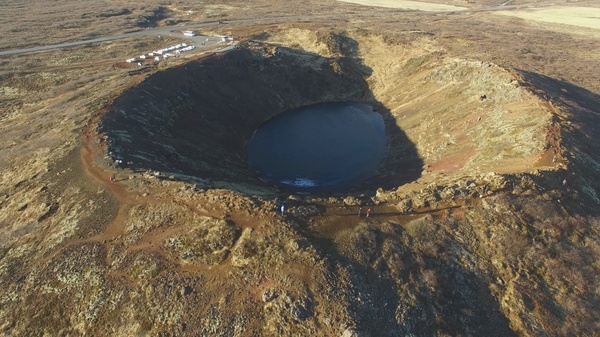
194, 121
445, 117
465, 117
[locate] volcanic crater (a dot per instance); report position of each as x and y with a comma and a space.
483, 217
443, 116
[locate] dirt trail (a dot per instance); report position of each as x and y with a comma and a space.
88, 156
332, 221
335, 219
93, 146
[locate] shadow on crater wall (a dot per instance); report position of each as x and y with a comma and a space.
579, 117
194, 121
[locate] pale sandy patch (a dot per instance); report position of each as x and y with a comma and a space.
575, 16
406, 4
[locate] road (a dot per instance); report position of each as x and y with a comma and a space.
169, 30
158, 31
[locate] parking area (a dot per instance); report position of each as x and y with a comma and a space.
194, 43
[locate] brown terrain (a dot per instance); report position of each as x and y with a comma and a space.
485, 211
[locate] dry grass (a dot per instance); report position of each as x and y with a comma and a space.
501, 264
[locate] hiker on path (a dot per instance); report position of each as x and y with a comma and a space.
359, 211
368, 212
282, 209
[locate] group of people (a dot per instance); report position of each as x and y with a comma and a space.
368, 214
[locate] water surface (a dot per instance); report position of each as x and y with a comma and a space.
323, 147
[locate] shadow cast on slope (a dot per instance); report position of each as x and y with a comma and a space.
393, 289
579, 119
193, 121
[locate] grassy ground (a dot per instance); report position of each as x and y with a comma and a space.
511, 253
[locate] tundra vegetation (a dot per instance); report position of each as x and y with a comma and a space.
484, 213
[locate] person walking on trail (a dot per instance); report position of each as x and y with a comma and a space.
368, 212
359, 211
282, 209
112, 178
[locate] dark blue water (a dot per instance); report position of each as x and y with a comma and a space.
319, 148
